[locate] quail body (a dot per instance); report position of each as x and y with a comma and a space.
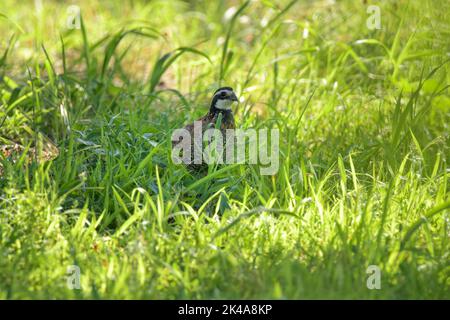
219, 113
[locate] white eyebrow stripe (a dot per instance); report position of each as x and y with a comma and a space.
220, 92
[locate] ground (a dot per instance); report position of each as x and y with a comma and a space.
88, 190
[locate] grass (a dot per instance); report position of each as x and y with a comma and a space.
363, 179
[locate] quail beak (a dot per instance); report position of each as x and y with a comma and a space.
233, 97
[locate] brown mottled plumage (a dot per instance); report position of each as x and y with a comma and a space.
13, 152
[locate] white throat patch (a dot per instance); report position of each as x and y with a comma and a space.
223, 104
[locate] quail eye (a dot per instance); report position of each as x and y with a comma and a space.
223, 94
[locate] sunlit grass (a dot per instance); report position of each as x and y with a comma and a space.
363, 179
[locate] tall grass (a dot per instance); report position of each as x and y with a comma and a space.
363, 179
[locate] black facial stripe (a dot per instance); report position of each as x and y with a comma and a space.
223, 93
